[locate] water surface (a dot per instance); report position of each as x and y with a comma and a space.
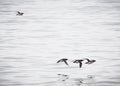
50, 30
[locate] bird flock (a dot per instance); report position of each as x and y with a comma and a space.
65, 59
77, 61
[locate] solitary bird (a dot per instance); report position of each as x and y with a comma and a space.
89, 61
63, 60
78, 61
19, 13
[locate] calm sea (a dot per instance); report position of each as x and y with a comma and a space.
50, 30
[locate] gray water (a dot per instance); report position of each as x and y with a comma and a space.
50, 30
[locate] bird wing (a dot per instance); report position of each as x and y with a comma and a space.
18, 12
66, 62
76, 61
88, 60
80, 65
59, 61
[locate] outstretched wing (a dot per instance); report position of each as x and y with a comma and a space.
18, 12
88, 60
66, 62
76, 61
59, 61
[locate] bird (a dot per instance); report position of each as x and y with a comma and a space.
89, 61
63, 60
19, 13
78, 61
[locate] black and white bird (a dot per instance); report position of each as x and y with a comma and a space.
89, 61
79, 61
63, 60
19, 13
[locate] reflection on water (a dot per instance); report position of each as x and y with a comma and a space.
53, 29
65, 80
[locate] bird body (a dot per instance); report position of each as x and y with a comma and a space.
78, 61
19, 13
90, 61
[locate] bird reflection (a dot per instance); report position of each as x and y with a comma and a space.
90, 76
63, 77
79, 82
65, 80
89, 81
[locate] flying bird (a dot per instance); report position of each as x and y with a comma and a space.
63, 60
78, 61
89, 61
19, 13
